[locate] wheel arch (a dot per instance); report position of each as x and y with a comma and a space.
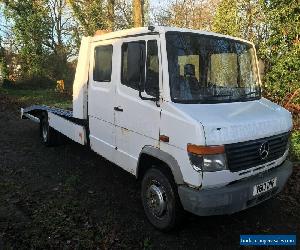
150, 155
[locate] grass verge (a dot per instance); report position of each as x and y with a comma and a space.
47, 97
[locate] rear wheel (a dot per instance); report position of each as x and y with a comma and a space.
49, 136
160, 200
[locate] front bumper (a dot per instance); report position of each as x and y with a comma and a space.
234, 197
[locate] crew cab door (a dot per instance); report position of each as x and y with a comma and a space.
101, 98
137, 121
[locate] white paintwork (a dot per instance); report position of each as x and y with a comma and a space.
160, 29
227, 123
120, 136
138, 124
101, 107
181, 129
29, 116
75, 132
81, 80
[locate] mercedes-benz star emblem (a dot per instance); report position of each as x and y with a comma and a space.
264, 150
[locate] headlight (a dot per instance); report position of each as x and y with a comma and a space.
207, 158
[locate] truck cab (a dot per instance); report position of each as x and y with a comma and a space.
183, 111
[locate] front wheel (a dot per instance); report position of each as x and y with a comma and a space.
160, 200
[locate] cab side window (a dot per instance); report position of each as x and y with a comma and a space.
103, 63
132, 63
137, 67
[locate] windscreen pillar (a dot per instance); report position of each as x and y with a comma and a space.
81, 80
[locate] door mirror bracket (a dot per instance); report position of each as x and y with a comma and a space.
154, 99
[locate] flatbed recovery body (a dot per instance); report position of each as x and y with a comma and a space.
182, 110
60, 119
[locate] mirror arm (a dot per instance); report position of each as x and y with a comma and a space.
155, 99
157, 102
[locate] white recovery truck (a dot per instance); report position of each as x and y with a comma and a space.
181, 110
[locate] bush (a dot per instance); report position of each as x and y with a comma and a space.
295, 146
283, 78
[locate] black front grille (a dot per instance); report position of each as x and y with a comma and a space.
244, 155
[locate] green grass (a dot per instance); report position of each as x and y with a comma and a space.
40, 96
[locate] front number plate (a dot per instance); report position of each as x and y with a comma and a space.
264, 187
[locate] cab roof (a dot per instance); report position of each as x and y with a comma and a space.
159, 30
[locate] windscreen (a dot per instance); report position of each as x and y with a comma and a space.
210, 69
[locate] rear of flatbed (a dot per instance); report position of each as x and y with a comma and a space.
60, 120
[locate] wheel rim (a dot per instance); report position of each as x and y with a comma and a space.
156, 200
45, 131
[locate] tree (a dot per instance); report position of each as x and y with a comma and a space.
283, 48
42, 30
91, 15
123, 14
30, 29
253, 21
94, 15
3, 65
226, 20
188, 14
137, 13
111, 14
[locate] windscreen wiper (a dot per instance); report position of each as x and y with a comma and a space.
250, 93
247, 94
220, 95
214, 97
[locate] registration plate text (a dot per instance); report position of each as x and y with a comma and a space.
264, 187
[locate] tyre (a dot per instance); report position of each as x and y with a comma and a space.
49, 136
160, 200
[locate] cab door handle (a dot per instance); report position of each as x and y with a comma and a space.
118, 109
